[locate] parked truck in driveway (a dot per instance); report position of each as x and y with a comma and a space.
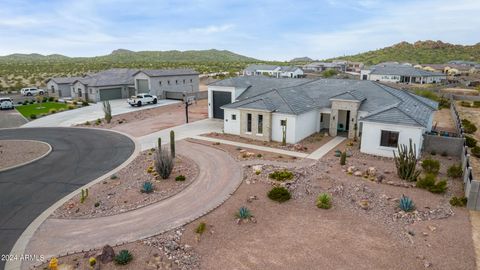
142, 99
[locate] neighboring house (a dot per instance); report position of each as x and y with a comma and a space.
400, 73
263, 108
159, 81
340, 66
449, 69
273, 71
61, 86
115, 83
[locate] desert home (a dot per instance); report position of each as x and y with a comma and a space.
118, 83
273, 71
268, 109
400, 73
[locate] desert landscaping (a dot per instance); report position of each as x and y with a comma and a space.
17, 152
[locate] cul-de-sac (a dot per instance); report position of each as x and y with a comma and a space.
211, 135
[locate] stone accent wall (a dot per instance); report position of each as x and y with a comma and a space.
267, 125
351, 106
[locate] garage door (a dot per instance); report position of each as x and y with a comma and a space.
219, 99
110, 93
142, 86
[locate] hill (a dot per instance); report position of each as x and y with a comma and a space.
422, 52
19, 70
301, 59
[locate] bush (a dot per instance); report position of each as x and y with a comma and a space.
444, 103
113, 176
147, 187
476, 104
279, 194
244, 213
70, 107
406, 204
468, 126
33, 116
433, 153
476, 151
52, 111
455, 171
201, 228
426, 182
163, 163
324, 201
123, 257
281, 175
343, 158
431, 165
458, 201
25, 102
97, 204
85, 103
180, 178
444, 154
439, 187
465, 104
470, 141
51, 99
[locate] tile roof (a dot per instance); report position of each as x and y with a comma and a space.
167, 72
114, 76
401, 70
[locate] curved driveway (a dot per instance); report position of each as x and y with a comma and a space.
78, 157
218, 178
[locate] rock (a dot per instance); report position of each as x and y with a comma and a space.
432, 228
172, 246
371, 171
107, 255
253, 219
247, 182
358, 173
257, 168
380, 178
350, 169
364, 204
252, 198
412, 233
427, 264
424, 234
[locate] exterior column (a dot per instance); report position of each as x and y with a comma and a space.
353, 122
333, 123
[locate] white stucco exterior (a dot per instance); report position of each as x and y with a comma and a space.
230, 125
371, 134
277, 133
234, 91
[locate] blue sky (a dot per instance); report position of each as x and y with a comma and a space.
270, 30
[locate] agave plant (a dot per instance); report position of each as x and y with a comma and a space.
406, 204
147, 187
244, 213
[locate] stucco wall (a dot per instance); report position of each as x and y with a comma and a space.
451, 145
231, 126
277, 134
180, 83
371, 134
306, 124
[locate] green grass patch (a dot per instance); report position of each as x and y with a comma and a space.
40, 108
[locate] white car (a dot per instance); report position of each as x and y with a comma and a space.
6, 103
32, 91
142, 99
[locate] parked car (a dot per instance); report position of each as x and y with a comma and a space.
32, 91
142, 99
6, 103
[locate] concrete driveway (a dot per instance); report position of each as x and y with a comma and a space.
90, 113
11, 118
78, 157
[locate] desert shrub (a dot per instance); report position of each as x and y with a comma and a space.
180, 178
324, 201
455, 171
243, 213
97, 204
123, 257
406, 204
98, 122
476, 151
25, 102
465, 104
279, 194
439, 187
113, 176
164, 163
147, 187
426, 182
257, 172
431, 165
468, 126
92, 261
201, 228
343, 158
259, 155
444, 103
281, 175
458, 201
433, 153
444, 154
476, 104
470, 141
32, 101
85, 103
51, 99
52, 111
70, 107
33, 116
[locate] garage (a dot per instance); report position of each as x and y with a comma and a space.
220, 98
142, 85
110, 93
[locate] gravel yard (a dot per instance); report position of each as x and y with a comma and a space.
123, 192
143, 122
15, 152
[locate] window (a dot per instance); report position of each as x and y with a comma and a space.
234, 117
260, 124
389, 138
168, 82
249, 122
90, 90
176, 81
183, 81
191, 80
283, 123
79, 92
53, 89
160, 83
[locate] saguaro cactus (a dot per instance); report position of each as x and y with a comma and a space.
343, 158
107, 109
159, 144
172, 143
83, 195
406, 162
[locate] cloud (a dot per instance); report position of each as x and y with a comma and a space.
212, 29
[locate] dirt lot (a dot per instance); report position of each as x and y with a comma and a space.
472, 114
15, 152
442, 121
298, 235
307, 145
122, 193
140, 123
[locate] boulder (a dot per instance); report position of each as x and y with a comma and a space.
364, 204
107, 255
350, 169
358, 173
371, 171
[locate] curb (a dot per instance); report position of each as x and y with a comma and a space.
30, 161
22, 242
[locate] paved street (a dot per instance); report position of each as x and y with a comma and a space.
78, 157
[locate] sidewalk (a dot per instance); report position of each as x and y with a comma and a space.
322, 151
475, 221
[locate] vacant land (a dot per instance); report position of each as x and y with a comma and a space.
15, 152
38, 109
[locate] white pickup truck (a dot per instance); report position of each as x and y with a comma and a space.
32, 91
142, 99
